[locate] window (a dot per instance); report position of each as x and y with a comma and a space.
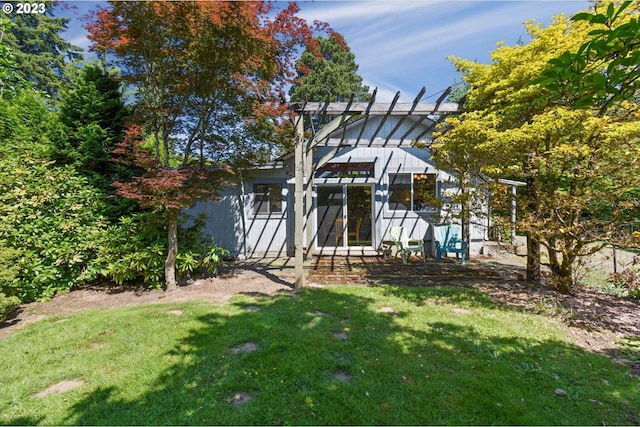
412, 192
267, 198
346, 170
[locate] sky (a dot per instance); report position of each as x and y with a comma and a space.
403, 45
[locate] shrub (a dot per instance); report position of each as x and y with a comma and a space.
8, 273
9, 258
136, 249
53, 217
628, 280
7, 305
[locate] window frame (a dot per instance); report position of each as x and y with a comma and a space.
271, 189
412, 190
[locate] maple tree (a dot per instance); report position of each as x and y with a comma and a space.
579, 166
208, 78
603, 70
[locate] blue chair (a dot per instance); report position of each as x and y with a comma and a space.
447, 239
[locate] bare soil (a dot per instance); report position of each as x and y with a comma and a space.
596, 321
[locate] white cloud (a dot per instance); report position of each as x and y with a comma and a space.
403, 45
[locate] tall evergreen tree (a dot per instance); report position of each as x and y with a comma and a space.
39, 50
92, 113
92, 120
330, 74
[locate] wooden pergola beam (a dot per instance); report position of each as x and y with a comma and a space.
415, 104
366, 113
377, 109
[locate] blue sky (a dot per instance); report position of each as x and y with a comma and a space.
403, 45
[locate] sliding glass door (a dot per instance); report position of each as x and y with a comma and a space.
344, 216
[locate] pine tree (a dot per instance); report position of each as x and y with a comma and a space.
40, 52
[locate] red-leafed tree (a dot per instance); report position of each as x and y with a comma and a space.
208, 78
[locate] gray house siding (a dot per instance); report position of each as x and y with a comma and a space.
235, 224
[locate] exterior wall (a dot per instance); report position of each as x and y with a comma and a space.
233, 224
419, 225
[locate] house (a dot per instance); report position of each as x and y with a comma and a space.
364, 177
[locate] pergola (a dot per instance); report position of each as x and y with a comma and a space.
344, 112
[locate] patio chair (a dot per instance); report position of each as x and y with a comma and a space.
405, 245
447, 239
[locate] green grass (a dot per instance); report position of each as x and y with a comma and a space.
445, 356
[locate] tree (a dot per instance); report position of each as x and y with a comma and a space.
207, 78
570, 159
605, 69
331, 76
8, 76
40, 52
92, 120
329, 73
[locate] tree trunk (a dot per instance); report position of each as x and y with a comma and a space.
562, 277
533, 260
533, 243
466, 226
561, 271
172, 252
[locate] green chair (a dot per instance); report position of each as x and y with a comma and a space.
405, 245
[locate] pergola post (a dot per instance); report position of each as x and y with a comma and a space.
298, 207
308, 199
513, 214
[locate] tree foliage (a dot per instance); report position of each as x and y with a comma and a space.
328, 72
54, 234
50, 215
91, 121
8, 76
41, 54
331, 76
603, 70
207, 78
570, 159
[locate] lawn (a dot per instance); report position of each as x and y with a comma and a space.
333, 355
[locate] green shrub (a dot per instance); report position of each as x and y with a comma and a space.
9, 258
136, 249
7, 305
8, 273
53, 217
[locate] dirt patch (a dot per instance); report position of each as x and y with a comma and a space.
217, 290
175, 312
247, 347
61, 387
342, 376
341, 336
241, 398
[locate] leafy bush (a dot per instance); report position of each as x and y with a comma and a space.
9, 258
8, 272
628, 280
7, 305
136, 249
54, 218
